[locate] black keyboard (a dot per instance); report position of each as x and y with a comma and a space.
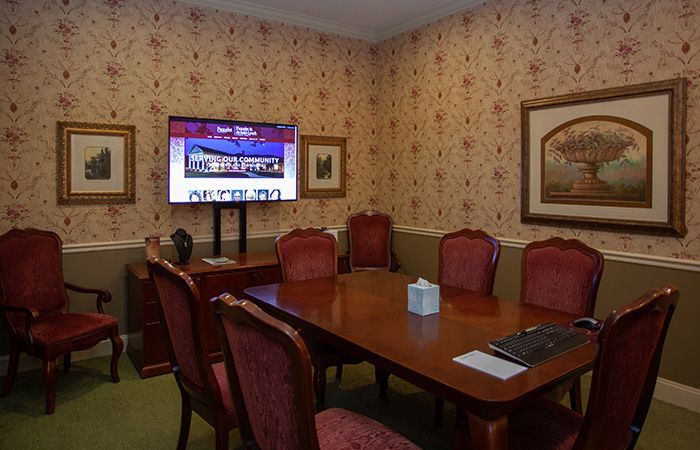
539, 344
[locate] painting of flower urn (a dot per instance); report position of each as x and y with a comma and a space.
597, 160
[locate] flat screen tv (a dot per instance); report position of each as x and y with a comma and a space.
213, 160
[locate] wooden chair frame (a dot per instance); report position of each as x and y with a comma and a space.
49, 354
206, 401
245, 312
591, 435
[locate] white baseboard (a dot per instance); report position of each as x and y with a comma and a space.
678, 394
27, 362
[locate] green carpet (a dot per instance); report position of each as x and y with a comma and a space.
92, 412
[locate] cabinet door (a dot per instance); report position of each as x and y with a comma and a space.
266, 275
213, 285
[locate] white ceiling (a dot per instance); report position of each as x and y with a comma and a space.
371, 20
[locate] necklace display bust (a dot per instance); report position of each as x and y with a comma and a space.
183, 245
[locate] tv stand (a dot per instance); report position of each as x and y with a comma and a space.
242, 223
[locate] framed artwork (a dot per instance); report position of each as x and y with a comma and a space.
611, 159
95, 163
322, 166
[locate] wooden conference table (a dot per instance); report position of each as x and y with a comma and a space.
365, 313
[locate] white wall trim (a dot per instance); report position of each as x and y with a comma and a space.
612, 255
165, 241
26, 362
678, 394
329, 26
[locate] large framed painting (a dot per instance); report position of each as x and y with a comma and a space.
322, 166
95, 163
611, 159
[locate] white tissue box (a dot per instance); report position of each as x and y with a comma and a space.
423, 300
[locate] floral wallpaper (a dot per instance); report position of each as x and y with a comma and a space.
450, 96
432, 116
138, 61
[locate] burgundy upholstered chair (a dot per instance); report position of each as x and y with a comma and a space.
563, 275
305, 254
35, 306
467, 259
628, 353
269, 369
203, 386
369, 235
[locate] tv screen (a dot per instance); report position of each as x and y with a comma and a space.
214, 160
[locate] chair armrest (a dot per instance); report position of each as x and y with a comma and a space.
395, 262
103, 295
29, 315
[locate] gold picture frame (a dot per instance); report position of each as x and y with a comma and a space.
95, 163
322, 167
609, 159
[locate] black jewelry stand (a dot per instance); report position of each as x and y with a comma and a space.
242, 223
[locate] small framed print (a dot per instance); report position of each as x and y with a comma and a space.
322, 166
95, 163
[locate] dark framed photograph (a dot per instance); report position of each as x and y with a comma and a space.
95, 163
322, 167
613, 159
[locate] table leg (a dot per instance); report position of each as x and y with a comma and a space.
488, 434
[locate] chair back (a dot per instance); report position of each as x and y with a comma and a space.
307, 253
624, 374
561, 274
31, 273
467, 259
369, 233
183, 315
269, 371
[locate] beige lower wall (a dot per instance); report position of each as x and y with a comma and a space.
106, 269
621, 283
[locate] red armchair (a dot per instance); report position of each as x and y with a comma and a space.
269, 370
563, 275
305, 254
203, 386
627, 361
35, 306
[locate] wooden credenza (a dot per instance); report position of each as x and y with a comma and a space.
146, 346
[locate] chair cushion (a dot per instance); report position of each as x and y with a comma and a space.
543, 425
57, 329
221, 379
339, 429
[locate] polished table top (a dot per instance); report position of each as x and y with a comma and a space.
366, 313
